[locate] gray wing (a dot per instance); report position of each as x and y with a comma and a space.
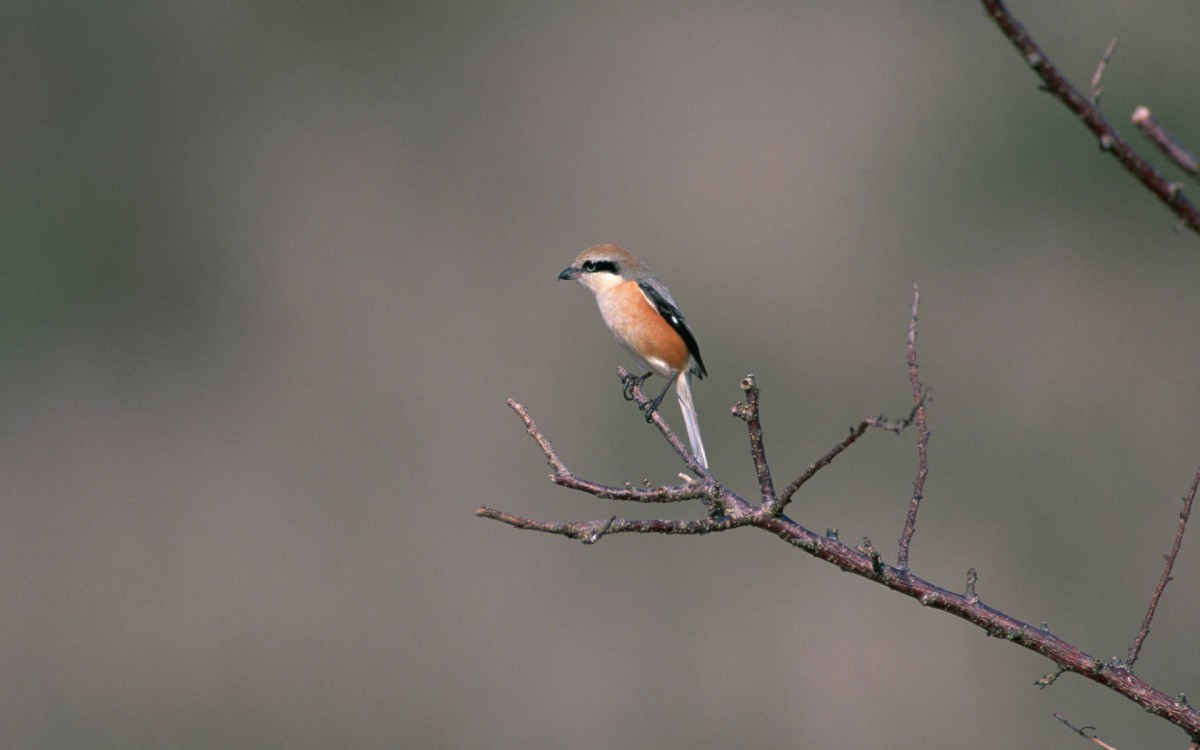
665, 304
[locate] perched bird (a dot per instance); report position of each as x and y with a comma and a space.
645, 319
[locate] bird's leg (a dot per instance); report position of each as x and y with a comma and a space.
634, 381
653, 405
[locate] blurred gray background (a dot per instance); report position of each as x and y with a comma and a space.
270, 273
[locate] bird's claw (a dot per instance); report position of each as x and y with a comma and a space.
650, 408
631, 382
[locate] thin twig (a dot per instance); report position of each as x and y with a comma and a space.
855, 433
548, 450
1096, 89
590, 532
748, 413
564, 477
1110, 140
1167, 143
634, 387
1136, 648
896, 426
1083, 732
910, 520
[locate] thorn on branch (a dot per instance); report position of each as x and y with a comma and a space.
1047, 680
1096, 89
589, 532
869, 550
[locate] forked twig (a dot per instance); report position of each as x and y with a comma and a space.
881, 422
748, 413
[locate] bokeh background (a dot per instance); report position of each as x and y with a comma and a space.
271, 271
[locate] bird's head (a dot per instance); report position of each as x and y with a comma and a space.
603, 266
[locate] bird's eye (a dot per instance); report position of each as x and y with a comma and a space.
599, 266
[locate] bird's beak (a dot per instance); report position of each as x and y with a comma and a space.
567, 274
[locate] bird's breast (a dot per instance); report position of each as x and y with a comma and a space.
641, 330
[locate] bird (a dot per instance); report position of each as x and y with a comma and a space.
645, 319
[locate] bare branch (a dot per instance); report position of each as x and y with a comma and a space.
726, 510
1110, 140
1136, 648
1166, 142
910, 521
865, 561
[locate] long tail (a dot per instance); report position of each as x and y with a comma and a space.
683, 390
